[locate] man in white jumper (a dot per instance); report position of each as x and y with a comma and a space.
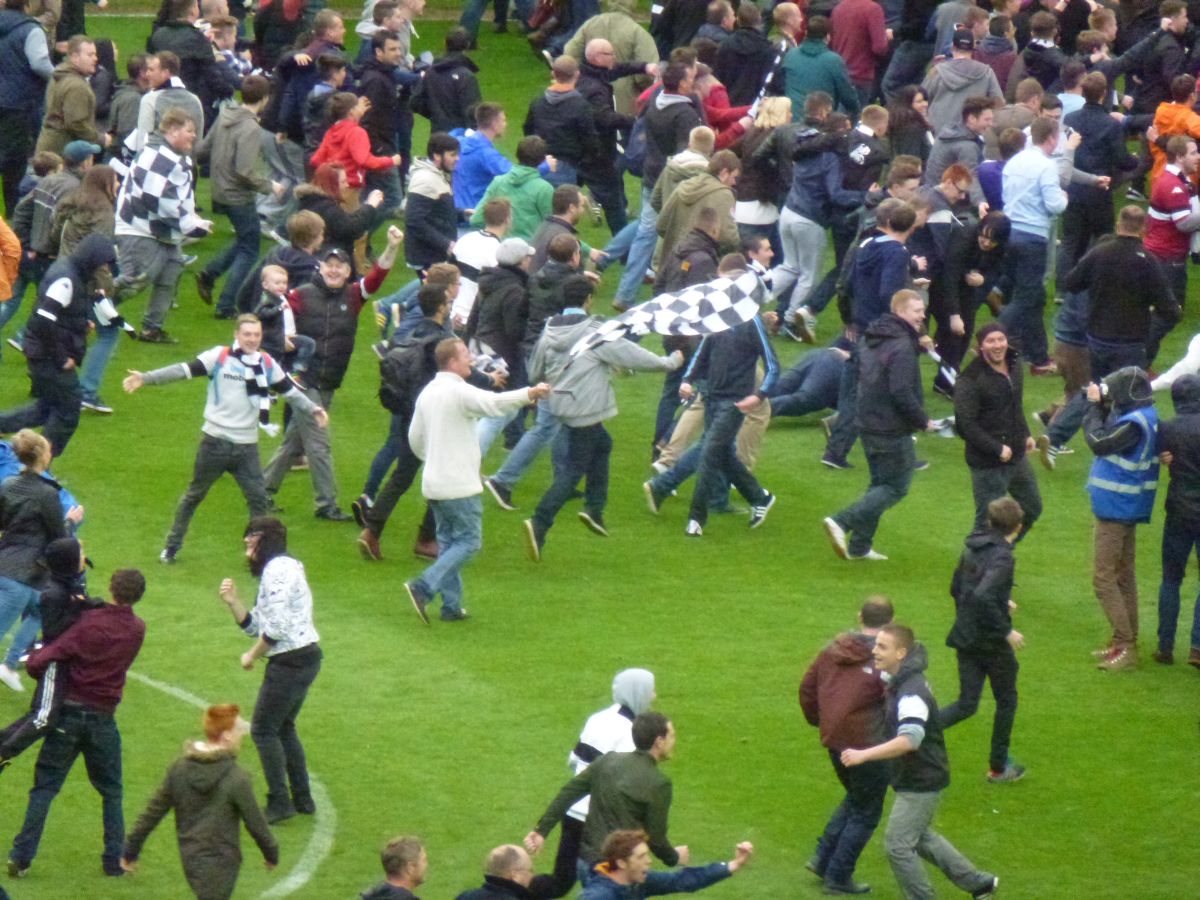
442, 435
240, 380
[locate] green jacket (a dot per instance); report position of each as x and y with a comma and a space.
812, 66
679, 213
631, 43
531, 197
628, 791
233, 150
70, 110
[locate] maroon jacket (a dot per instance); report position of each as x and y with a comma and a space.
859, 37
99, 649
842, 694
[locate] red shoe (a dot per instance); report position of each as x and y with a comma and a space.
1050, 368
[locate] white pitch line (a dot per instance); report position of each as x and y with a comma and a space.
324, 820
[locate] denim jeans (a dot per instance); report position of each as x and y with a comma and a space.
588, 452
1000, 670
621, 242
1108, 358
1179, 537
641, 251
907, 66
890, 460
845, 429
387, 181
1177, 279
803, 250
388, 454
16, 600
853, 822
238, 258
719, 462
97, 359
459, 537
214, 457
410, 310
488, 429
813, 384
398, 483
1022, 316
281, 696
472, 14
910, 838
95, 735
1014, 479
31, 272
547, 429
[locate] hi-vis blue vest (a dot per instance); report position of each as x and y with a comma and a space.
1122, 487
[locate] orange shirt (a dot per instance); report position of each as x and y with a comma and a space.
1169, 119
10, 260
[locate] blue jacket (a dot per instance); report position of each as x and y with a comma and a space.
677, 881
20, 87
1122, 485
880, 269
817, 181
478, 163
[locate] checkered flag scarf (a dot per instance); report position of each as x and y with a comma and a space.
715, 306
106, 314
257, 387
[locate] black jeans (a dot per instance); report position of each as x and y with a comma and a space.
854, 821
55, 405
719, 463
566, 870
588, 451
1178, 539
890, 460
1000, 670
1014, 479
214, 457
397, 485
18, 131
95, 735
1177, 278
280, 698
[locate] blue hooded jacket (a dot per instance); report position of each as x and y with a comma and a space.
478, 163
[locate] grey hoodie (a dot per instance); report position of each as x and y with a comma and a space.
583, 394
233, 147
951, 82
634, 688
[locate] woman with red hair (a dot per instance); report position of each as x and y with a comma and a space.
325, 194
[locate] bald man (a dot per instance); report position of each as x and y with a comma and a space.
597, 73
507, 874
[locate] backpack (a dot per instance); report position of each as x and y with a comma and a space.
635, 148
403, 371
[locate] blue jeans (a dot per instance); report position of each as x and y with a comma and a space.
97, 360
547, 429
95, 735
588, 452
907, 66
487, 430
459, 537
854, 821
813, 384
719, 462
387, 181
472, 14
845, 430
31, 273
620, 244
388, 454
410, 310
641, 251
16, 600
1022, 316
238, 258
564, 173
891, 461
1179, 537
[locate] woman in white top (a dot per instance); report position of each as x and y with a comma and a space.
283, 624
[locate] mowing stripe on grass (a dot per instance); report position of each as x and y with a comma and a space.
324, 819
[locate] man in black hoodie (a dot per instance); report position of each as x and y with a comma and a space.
1179, 444
744, 59
449, 88
920, 773
56, 341
891, 407
563, 119
983, 636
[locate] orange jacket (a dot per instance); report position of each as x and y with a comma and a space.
10, 260
1170, 119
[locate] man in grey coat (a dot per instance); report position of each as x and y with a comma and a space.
963, 143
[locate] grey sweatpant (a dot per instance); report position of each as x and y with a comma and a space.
910, 838
304, 436
161, 264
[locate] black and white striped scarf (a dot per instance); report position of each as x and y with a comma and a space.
257, 387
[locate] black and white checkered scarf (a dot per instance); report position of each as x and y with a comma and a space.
257, 387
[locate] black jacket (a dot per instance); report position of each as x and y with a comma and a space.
270, 313
866, 155
496, 888
378, 85
1125, 283
545, 298
693, 261
563, 119
595, 86
57, 331
744, 60
1181, 438
981, 588
301, 267
197, 66
500, 312
726, 362
1102, 151
677, 24
988, 413
1166, 60
1044, 63
342, 228
447, 91
890, 399
667, 130
330, 318
927, 768
64, 595
31, 516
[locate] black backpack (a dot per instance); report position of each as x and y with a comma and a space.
404, 371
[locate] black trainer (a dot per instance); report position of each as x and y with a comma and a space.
502, 494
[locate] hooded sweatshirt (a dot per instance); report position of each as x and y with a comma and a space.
680, 167
70, 110
998, 53
981, 588
812, 66
212, 796
679, 212
64, 595
348, 145
478, 163
531, 196
564, 120
842, 694
912, 711
611, 729
951, 82
1181, 438
583, 394
233, 148
446, 92
58, 329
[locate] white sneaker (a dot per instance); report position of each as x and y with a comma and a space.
837, 537
694, 529
11, 678
869, 556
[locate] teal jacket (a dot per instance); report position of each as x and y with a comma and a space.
812, 66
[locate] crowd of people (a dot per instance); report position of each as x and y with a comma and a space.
958, 158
